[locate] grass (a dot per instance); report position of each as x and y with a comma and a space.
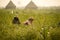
45, 25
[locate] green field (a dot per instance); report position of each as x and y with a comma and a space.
44, 27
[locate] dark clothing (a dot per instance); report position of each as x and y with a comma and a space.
16, 20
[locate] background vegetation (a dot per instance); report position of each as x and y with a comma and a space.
45, 25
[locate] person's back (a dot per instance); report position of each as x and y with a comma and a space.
16, 20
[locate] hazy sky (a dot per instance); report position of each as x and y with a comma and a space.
39, 3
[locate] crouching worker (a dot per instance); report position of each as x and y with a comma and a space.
16, 20
29, 21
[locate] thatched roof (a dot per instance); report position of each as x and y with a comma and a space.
31, 5
10, 5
